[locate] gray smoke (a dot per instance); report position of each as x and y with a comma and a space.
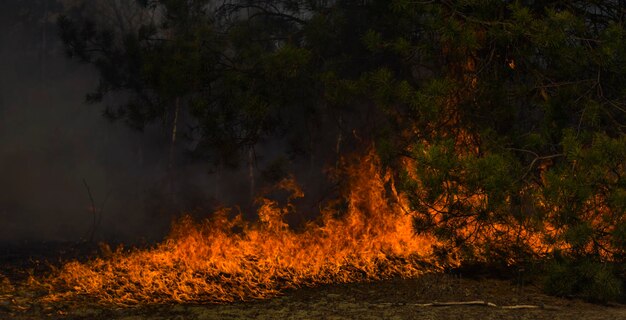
56, 151
51, 143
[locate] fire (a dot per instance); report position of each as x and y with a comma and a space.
367, 234
222, 259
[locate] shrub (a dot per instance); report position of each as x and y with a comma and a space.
585, 278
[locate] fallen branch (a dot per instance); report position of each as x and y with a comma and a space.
523, 306
456, 303
478, 303
530, 306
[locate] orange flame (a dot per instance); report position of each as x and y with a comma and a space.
367, 234
370, 238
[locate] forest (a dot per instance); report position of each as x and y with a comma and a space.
456, 136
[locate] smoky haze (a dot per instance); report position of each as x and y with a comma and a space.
52, 144
57, 153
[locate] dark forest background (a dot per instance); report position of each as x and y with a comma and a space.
509, 112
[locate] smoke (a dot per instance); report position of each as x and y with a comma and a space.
60, 158
52, 144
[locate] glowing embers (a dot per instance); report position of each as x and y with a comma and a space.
369, 238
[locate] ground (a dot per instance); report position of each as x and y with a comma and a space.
390, 299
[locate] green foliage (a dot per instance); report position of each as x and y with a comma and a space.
587, 188
586, 278
513, 114
237, 75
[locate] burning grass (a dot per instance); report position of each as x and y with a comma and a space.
368, 235
225, 259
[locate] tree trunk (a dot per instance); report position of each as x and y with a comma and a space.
174, 129
218, 172
170, 177
339, 139
44, 44
311, 150
251, 172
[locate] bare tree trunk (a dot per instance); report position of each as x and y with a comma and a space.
174, 129
311, 150
3, 113
339, 139
251, 172
218, 173
44, 44
170, 177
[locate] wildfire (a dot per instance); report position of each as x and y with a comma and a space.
368, 234
223, 259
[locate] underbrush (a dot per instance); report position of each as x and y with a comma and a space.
589, 279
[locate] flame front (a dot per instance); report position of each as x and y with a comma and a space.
367, 234
371, 238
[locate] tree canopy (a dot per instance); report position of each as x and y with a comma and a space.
490, 112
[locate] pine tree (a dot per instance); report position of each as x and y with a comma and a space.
500, 119
512, 115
